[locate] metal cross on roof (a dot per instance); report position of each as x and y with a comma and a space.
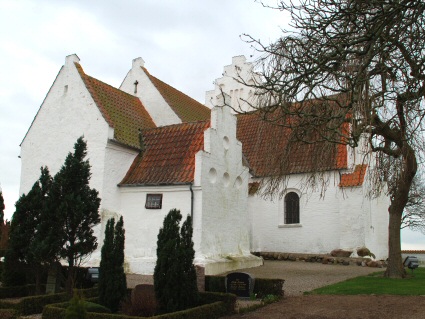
135, 86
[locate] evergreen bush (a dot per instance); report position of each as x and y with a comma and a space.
13, 271
26, 241
73, 207
174, 274
112, 279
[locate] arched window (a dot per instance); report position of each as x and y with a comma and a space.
292, 208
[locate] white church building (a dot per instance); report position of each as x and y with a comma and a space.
153, 148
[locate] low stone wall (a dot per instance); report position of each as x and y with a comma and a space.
321, 258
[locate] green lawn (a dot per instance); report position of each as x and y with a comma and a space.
376, 284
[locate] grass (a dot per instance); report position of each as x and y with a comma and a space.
376, 284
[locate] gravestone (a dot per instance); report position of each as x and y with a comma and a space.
240, 284
143, 300
54, 278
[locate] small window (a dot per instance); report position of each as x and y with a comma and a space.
292, 208
153, 201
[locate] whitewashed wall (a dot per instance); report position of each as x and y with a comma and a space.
142, 225
157, 107
118, 160
318, 229
343, 219
222, 237
67, 113
376, 222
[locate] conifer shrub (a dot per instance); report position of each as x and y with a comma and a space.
112, 279
175, 274
13, 273
26, 246
73, 207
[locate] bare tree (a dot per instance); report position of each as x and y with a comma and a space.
346, 72
414, 212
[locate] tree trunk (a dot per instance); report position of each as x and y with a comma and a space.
38, 274
395, 267
399, 199
70, 281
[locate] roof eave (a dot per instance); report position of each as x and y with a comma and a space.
155, 184
119, 143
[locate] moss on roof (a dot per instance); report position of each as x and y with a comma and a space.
186, 108
122, 111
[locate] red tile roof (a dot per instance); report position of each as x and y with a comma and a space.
265, 144
355, 178
253, 188
186, 108
124, 112
169, 155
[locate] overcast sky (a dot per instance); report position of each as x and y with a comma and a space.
185, 43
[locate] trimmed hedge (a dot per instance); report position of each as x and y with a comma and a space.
218, 306
262, 287
16, 291
35, 304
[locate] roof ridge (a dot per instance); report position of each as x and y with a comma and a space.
87, 83
111, 86
185, 107
177, 124
150, 75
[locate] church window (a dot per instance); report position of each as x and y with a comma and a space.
292, 208
153, 201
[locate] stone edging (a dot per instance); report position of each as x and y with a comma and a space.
322, 258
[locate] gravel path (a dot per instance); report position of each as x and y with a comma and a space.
302, 276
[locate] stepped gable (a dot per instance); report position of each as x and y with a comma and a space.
265, 143
122, 111
186, 108
355, 178
168, 156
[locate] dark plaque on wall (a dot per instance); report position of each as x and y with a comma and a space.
240, 284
